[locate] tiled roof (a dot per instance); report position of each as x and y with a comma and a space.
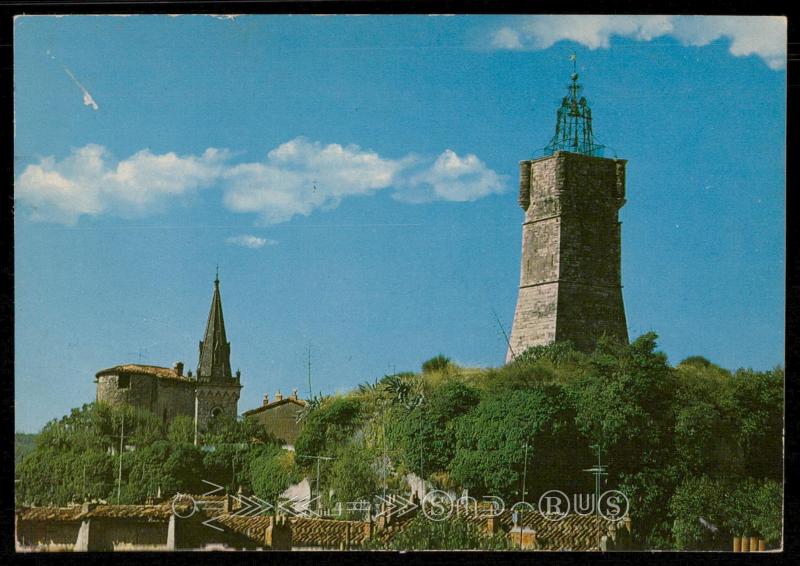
157, 371
161, 511
327, 533
59, 514
253, 528
299, 402
573, 532
305, 531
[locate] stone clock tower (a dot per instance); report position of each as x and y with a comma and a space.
570, 273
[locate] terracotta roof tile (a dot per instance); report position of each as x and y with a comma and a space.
254, 528
326, 532
157, 371
59, 514
573, 532
298, 402
161, 511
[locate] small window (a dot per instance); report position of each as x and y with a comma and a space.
216, 412
124, 381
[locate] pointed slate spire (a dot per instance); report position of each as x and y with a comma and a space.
215, 350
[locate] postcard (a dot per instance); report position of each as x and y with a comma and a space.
397, 283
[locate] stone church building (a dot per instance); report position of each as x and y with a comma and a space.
168, 392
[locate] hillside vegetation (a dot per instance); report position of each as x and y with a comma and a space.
696, 448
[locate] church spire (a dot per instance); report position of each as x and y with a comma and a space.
574, 122
215, 349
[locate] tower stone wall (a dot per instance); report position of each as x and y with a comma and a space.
214, 401
570, 272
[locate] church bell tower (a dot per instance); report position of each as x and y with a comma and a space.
217, 390
570, 273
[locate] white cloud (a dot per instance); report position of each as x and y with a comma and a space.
296, 178
764, 36
452, 178
90, 182
300, 176
249, 241
507, 38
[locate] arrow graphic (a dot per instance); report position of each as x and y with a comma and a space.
208, 522
219, 488
391, 509
263, 506
290, 511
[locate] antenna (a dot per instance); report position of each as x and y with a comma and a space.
310, 393
121, 449
503, 330
598, 471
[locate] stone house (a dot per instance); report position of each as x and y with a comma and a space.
279, 417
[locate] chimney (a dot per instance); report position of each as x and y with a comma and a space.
278, 395
178, 367
266, 399
294, 393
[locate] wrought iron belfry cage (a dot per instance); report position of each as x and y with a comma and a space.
574, 124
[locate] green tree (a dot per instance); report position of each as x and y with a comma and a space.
182, 470
758, 399
707, 512
490, 444
327, 427
625, 403
271, 471
23, 444
436, 363
181, 430
354, 474
700, 511
422, 438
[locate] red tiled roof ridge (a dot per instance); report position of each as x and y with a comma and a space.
157, 371
300, 402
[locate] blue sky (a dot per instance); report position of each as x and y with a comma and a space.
355, 179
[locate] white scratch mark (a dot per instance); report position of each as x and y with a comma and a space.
87, 97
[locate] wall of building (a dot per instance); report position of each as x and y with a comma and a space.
174, 398
165, 398
142, 390
211, 397
126, 534
50, 536
570, 274
281, 421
